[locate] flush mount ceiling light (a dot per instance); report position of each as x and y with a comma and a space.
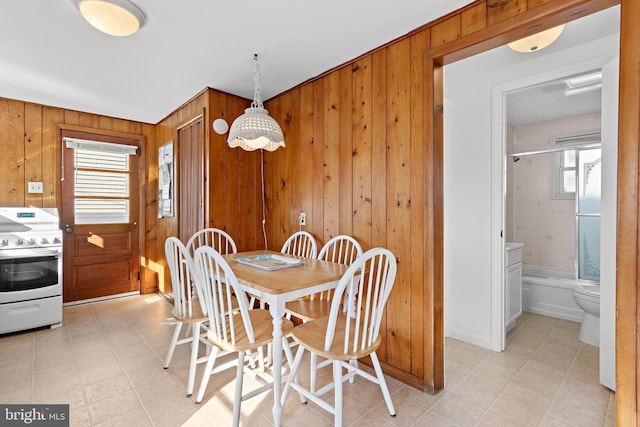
256, 129
537, 41
113, 17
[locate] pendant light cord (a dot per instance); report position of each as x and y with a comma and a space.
264, 220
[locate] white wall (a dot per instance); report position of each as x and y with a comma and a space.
470, 189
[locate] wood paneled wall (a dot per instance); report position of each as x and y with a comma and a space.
30, 150
364, 157
231, 180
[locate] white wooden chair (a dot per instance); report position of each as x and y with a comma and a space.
186, 309
300, 243
216, 238
343, 337
239, 332
340, 249
224, 244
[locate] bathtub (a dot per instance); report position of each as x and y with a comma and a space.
549, 292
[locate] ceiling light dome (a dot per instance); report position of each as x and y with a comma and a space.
537, 41
256, 129
114, 17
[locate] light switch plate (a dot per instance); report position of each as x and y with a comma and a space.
35, 187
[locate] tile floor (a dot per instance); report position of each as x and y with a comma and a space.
106, 362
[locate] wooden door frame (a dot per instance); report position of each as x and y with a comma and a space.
112, 136
628, 261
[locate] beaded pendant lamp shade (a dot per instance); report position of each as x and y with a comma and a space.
256, 129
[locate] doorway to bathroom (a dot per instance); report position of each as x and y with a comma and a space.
559, 186
475, 169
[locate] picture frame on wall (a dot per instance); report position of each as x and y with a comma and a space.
165, 180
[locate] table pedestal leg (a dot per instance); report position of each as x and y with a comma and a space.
277, 314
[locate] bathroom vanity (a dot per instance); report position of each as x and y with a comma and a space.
513, 283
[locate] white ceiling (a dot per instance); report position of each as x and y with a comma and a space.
51, 56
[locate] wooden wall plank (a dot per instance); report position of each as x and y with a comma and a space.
399, 201
362, 157
317, 213
345, 142
12, 172
89, 120
446, 31
288, 221
306, 154
33, 155
293, 144
379, 149
331, 170
52, 149
419, 45
501, 10
473, 19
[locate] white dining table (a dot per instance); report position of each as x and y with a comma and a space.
276, 288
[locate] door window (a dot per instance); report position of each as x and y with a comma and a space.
101, 181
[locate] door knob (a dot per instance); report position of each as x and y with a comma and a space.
68, 228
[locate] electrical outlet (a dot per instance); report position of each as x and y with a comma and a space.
35, 187
302, 219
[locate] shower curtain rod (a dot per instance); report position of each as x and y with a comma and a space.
555, 149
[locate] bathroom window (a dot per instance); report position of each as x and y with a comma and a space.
564, 177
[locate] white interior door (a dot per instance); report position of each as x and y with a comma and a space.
610, 72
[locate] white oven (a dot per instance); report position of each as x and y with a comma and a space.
30, 269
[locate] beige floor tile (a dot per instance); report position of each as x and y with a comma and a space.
514, 413
136, 417
109, 387
113, 406
370, 419
528, 396
474, 395
415, 397
406, 413
456, 410
575, 410
433, 420
54, 385
20, 393
80, 417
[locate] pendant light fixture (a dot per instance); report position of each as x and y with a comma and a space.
537, 41
256, 129
114, 17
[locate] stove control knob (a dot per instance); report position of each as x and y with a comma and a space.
4, 242
56, 240
19, 241
44, 241
30, 241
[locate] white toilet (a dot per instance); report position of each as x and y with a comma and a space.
588, 299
